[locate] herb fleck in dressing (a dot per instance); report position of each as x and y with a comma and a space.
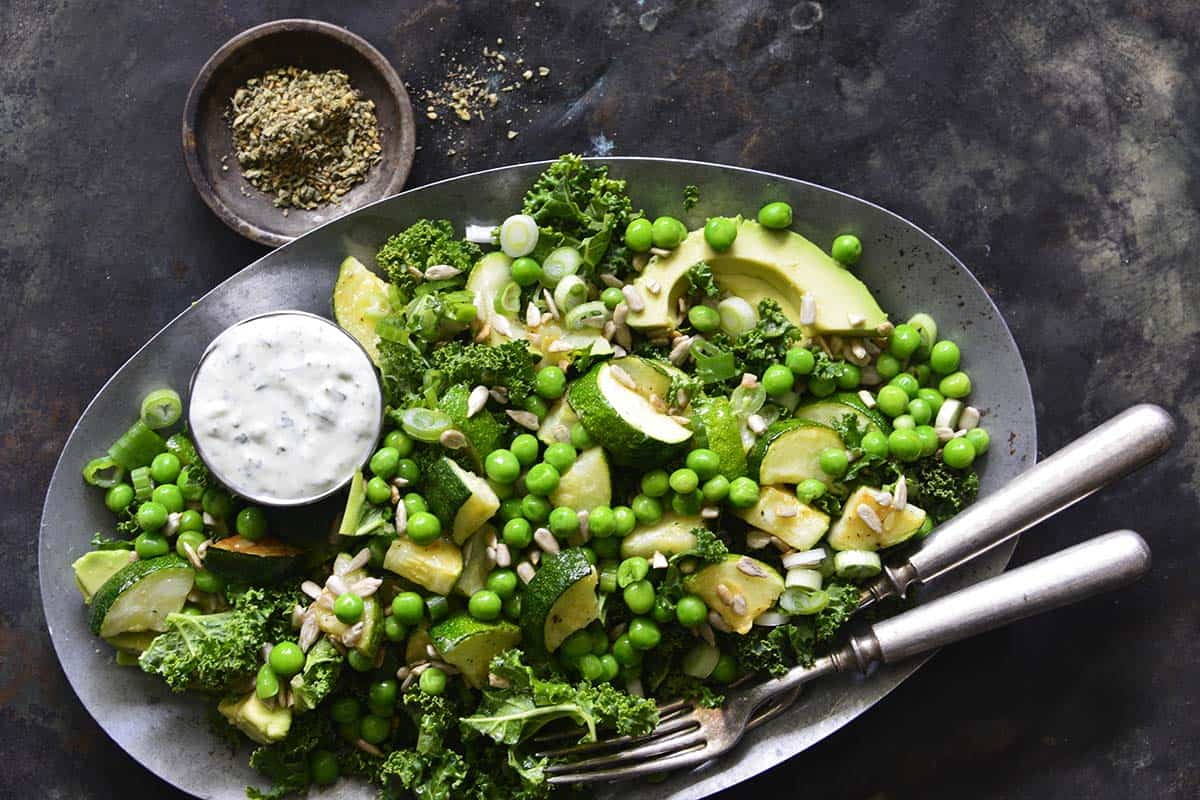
285, 407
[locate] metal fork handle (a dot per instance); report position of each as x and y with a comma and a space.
1129, 440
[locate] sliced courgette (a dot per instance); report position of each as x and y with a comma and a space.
434, 566
92, 570
484, 434
853, 532
671, 535
475, 562
831, 409
560, 599
556, 427
720, 584
780, 514
241, 560
790, 451
360, 299
263, 723
586, 484
139, 596
462, 500
132, 642
470, 644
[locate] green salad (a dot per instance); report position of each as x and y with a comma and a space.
622, 462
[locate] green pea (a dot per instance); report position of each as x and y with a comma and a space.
118, 497
720, 232
704, 319
191, 520
409, 608
800, 360
656, 483
536, 509
777, 215
715, 489
150, 544
399, 441
151, 516
874, 443
611, 669
958, 453
684, 480
602, 522
944, 358
904, 341
525, 271
348, 607
846, 249
564, 522
625, 653
517, 533
905, 445
408, 469
743, 492
848, 377
502, 466
664, 610
577, 645
821, 387
169, 497
704, 462
667, 232
625, 519
589, 667
979, 439
725, 670
922, 373
639, 235
536, 405
286, 659
384, 462
580, 437
510, 509
542, 479
344, 709
931, 396
644, 633
394, 629
192, 539
929, 439
888, 366
503, 582
691, 610
612, 297
834, 461
687, 504
810, 489
208, 582
323, 767
907, 382
165, 468
777, 379
378, 491
956, 385
432, 681
550, 382
485, 605
639, 597
904, 421
525, 447
560, 455
920, 410
424, 527
252, 523
358, 662
375, 730
892, 400
266, 683
648, 510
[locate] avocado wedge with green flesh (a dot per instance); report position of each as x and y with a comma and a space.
761, 264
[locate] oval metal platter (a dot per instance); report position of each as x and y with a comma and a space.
906, 268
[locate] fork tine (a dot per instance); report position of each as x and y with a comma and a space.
665, 729
681, 760
661, 746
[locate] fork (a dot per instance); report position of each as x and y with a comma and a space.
688, 735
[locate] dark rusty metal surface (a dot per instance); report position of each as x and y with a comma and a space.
1053, 147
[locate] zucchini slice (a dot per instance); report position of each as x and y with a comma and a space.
264, 561
758, 584
475, 564
790, 451
670, 536
853, 532
140, 596
470, 644
360, 299
560, 599
586, 483
435, 566
780, 514
462, 500
831, 409
484, 434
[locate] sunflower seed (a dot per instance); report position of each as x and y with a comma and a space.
533, 317
718, 622
311, 589
477, 400
808, 310
710, 512
883, 499
499, 394
757, 540
757, 424
500, 324
335, 584
885, 328
526, 419
855, 320
680, 351
503, 556
325, 601
400, 520
308, 633
659, 561
367, 747
192, 557
366, 587
354, 635
416, 273
633, 297
535, 556
868, 516
209, 520
749, 566
297, 616
394, 495
609, 329
739, 605
969, 418
525, 571
657, 403
484, 332
944, 434
440, 272
867, 398
900, 494
624, 339
652, 286
622, 377
620, 313
611, 280
545, 540
785, 512
403, 672
724, 594
550, 304
585, 531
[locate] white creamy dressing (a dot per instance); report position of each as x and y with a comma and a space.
285, 407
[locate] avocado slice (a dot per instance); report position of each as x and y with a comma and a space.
263, 723
93, 569
762, 263
852, 532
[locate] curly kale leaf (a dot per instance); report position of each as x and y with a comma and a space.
434, 717
701, 282
691, 196
685, 687
426, 776
402, 368
425, 243
285, 763
100, 542
322, 668
843, 602
509, 365
765, 344
578, 205
776, 650
940, 490
709, 547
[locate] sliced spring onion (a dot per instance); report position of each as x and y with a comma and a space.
772, 618
182, 448
737, 315
804, 578
137, 447
591, 314
560, 263
424, 424
855, 565
480, 234
803, 601
518, 235
608, 579
805, 558
391, 329
508, 299
570, 292
927, 327
143, 486
161, 408
103, 472
713, 364
701, 660
747, 400
462, 313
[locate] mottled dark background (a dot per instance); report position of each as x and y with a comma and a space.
1054, 146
